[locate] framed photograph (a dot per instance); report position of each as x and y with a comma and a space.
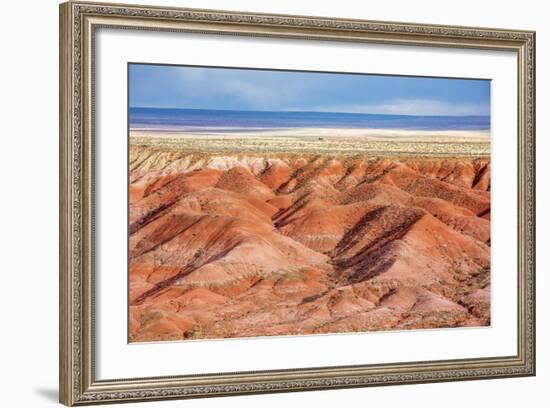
256, 203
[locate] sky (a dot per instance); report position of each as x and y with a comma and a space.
163, 86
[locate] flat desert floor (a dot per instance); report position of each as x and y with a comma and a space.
258, 243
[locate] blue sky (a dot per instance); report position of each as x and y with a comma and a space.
241, 89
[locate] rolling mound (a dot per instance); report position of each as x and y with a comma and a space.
250, 245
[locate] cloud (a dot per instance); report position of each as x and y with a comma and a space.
222, 88
248, 89
254, 94
188, 75
420, 107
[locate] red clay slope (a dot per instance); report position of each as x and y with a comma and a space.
235, 246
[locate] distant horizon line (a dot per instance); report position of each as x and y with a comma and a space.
301, 111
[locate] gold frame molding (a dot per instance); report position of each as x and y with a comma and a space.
78, 22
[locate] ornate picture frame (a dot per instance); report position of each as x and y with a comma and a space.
78, 24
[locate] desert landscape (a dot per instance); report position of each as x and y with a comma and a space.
306, 237
271, 202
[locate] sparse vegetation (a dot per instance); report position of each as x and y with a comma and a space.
437, 146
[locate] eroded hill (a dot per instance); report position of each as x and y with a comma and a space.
250, 245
